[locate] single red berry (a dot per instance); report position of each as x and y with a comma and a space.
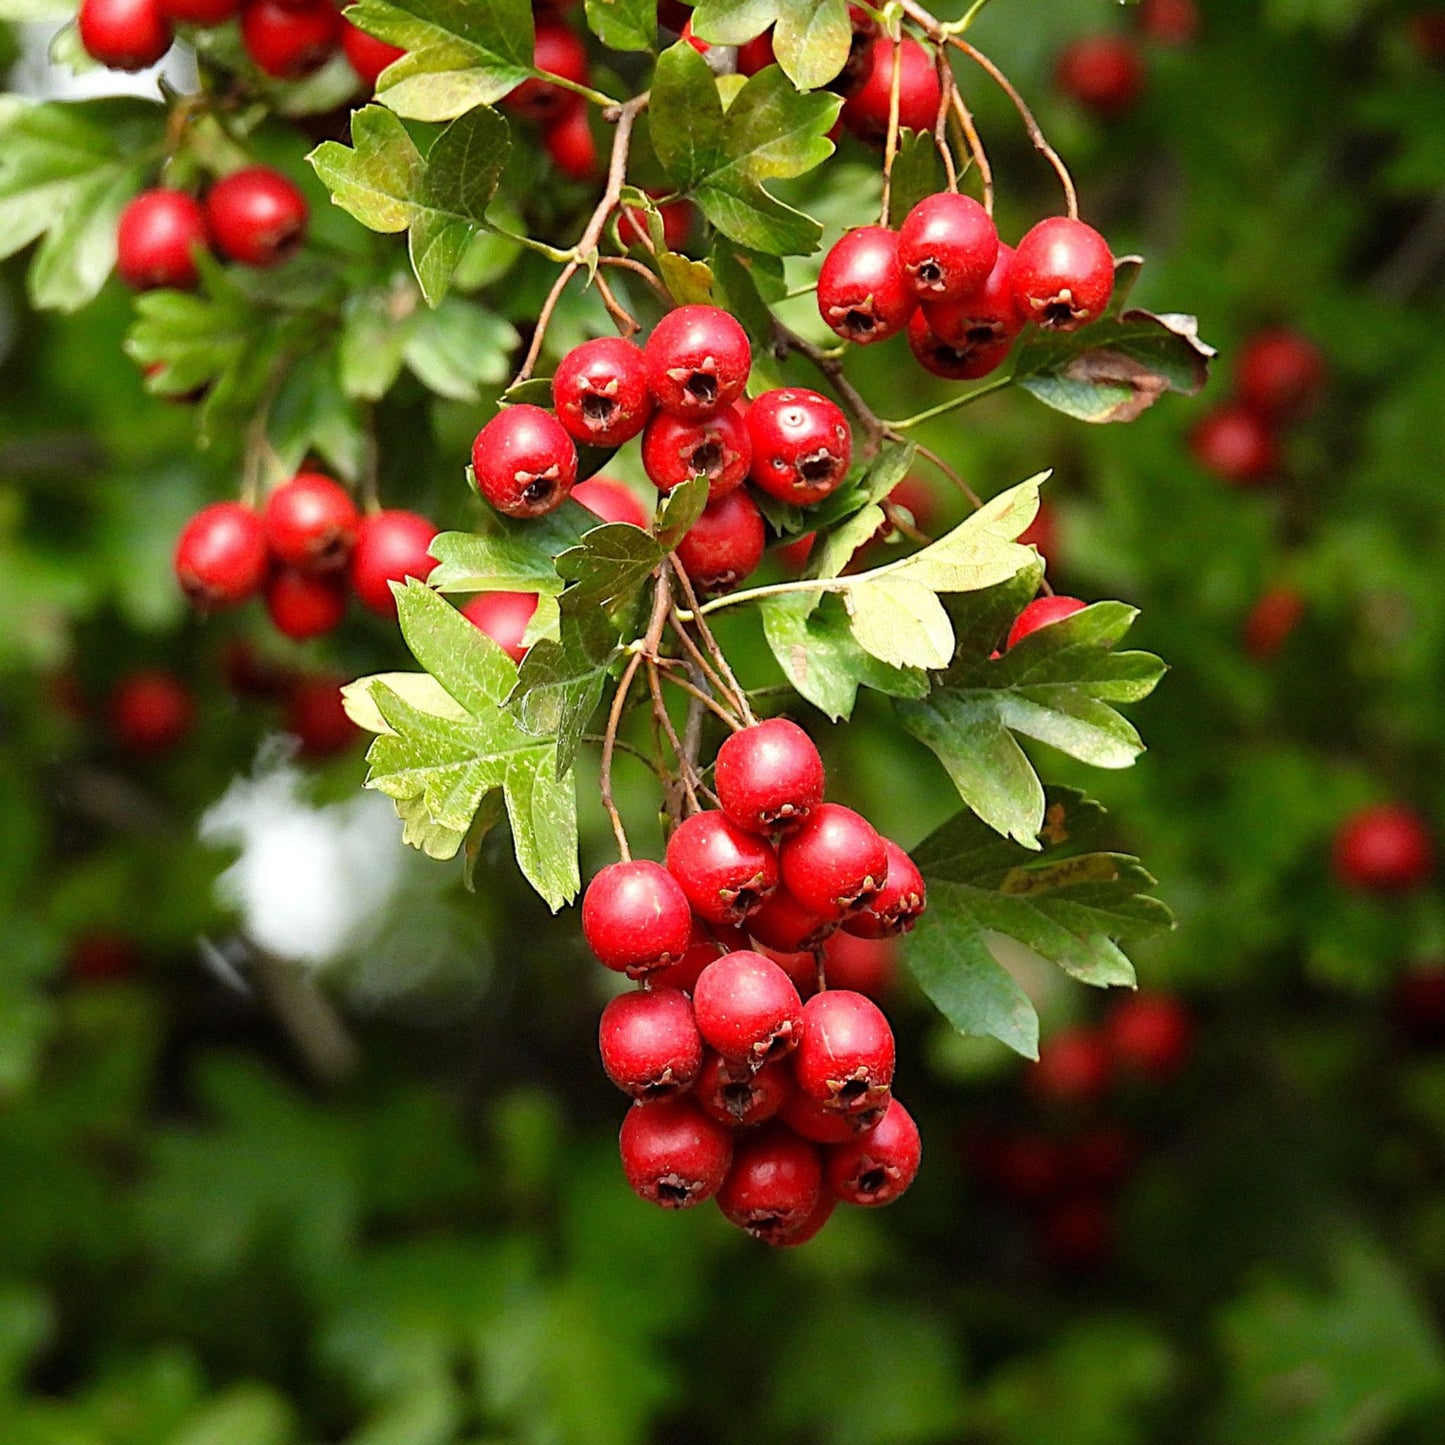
756, 54
898, 905
800, 966
1103, 73
1271, 621
877, 1167
1043, 533
289, 39
741, 1096
698, 359
220, 558
845, 1061
311, 523
1236, 445
524, 461
102, 958
649, 1043
965, 339
304, 604
947, 360
812, 1226
864, 965
861, 291
636, 918
612, 501
367, 55
947, 247
717, 447
157, 238
769, 776
1062, 274
557, 50
124, 34
1384, 849
1170, 22
1077, 1234
1042, 612
257, 216
1149, 1035
801, 445
390, 547
783, 925
821, 1124
1074, 1067
834, 862
704, 945
920, 497
200, 12
676, 218
727, 873
774, 1184
1100, 1158
747, 1008
316, 717
1279, 374
724, 545
572, 146
150, 711
600, 392
504, 617
865, 111
794, 555
673, 1154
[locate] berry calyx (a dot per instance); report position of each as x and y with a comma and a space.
1279, 374
1041, 612
947, 246
600, 392
612, 501
157, 237
1149, 1036
1384, 849
747, 1009
861, 291
1062, 274
289, 39
724, 545
966, 338
504, 617
220, 557
311, 523
846, 1058
741, 1096
673, 1154
817, 1122
812, 1225
124, 34
784, 925
801, 445
303, 605
524, 461
636, 917
1236, 444
877, 1167
1103, 73
150, 711
257, 216
865, 111
698, 359
650, 1046
834, 862
725, 871
367, 55
557, 50
769, 776
898, 905
1073, 1068
774, 1184
717, 447
390, 547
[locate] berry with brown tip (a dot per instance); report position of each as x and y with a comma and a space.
635, 917
716, 447
846, 1059
774, 1184
220, 558
600, 391
725, 871
311, 523
649, 1043
835, 862
877, 1167
898, 905
769, 777
673, 1154
741, 1096
801, 445
725, 544
947, 247
1062, 274
861, 291
698, 359
257, 216
524, 462
747, 1009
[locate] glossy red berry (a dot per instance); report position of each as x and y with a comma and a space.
747, 1009
1074, 1067
200, 12
877, 1167
1271, 621
967, 338
636, 918
898, 905
124, 34
861, 292
390, 547
810, 1227
673, 1154
1103, 73
724, 545
316, 717
947, 247
557, 50
600, 392
821, 1124
649, 1043
717, 447
1042, 612
220, 558
801, 445
257, 216
1384, 849
289, 40
1149, 1035
1279, 374
769, 776
311, 523
1170, 22
303, 605
784, 926
368, 56
698, 359
774, 1184
865, 965
705, 945
741, 1096
150, 711
944, 359
612, 501
1043, 533
846, 1058
834, 862
865, 112
572, 146
1236, 445
156, 240
756, 54
725, 872
524, 461
1062, 274
676, 218
504, 617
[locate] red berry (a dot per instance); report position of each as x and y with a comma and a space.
124, 34
898, 905
877, 1167
150, 711
741, 1096
557, 50
1028, 1168
311, 523
724, 545
316, 717
368, 55
861, 291
676, 218
698, 359
718, 448
801, 445
102, 958
1271, 621
756, 54
649, 1043
288, 39
672, 1154
1170, 22
257, 216
705, 945
1042, 612
769, 776
942, 358
965, 339
635, 917
727, 873
572, 146
774, 1184
1062, 274
524, 461
612, 501
600, 392
865, 112
303, 605
157, 238
865, 965
200, 12
1279, 374
1384, 849
794, 555
1074, 1067
1043, 533
817, 1122
784, 925
250, 674
1103, 73
1149, 1035
1078, 1234
503, 616
811, 1226
947, 247
834, 862
1235, 444
845, 1061
390, 547
220, 558
747, 1008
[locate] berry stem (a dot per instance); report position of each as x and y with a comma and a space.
890, 148
563, 82
694, 692
628, 263
952, 404
710, 674
370, 461
975, 143
711, 643
940, 121
831, 367
664, 718
929, 455
627, 324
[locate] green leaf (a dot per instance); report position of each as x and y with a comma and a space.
733, 22
917, 172
513, 556
811, 40
680, 509
311, 414
624, 24
459, 347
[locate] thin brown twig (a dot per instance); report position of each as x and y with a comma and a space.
975, 143
629, 263
696, 693
940, 121
660, 712
929, 455
710, 642
624, 320
890, 146
898, 520
710, 674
